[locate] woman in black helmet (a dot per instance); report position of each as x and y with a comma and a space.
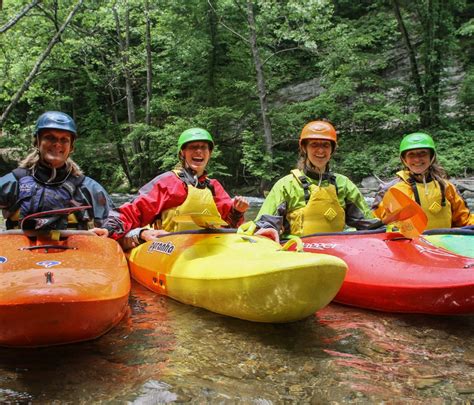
48, 179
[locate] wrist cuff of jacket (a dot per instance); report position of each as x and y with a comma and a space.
134, 234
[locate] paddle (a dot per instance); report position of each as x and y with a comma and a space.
201, 220
404, 213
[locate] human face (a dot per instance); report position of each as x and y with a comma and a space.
319, 153
418, 160
196, 156
55, 146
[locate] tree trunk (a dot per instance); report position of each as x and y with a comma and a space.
149, 88
211, 70
261, 86
149, 70
124, 46
122, 154
434, 78
415, 72
36, 67
16, 18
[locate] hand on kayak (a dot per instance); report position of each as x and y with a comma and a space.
240, 204
269, 233
102, 232
150, 234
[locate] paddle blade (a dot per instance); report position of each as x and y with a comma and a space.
405, 213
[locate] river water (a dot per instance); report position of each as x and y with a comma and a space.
167, 352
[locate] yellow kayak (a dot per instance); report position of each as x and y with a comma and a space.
247, 277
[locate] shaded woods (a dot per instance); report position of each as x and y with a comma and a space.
135, 73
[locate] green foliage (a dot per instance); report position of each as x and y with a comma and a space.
254, 159
349, 54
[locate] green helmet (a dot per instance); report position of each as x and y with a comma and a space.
417, 140
195, 134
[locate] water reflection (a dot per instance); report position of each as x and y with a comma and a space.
98, 370
166, 352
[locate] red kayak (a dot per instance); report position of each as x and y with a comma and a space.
392, 273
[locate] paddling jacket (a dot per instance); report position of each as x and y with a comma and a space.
166, 192
329, 206
442, 203
22, 193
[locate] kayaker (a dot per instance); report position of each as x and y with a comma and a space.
185, 190
424, 180
48, 179
312, 199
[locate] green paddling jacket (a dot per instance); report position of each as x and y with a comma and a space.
300, 204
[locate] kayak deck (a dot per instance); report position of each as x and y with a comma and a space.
249, 278
56, 292
388, 272
456, 240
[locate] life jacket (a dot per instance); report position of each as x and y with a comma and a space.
36, 196
432, 198
200, 200
322, 212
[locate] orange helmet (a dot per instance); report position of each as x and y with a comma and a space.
318, 130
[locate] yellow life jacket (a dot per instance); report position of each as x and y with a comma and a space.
322, 212
438, 213
430, 196
198, 201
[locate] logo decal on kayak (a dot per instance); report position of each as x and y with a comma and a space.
319, 246
48, 263
3, 259
162, 247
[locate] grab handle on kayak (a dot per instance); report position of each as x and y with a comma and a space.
247, 228
294, 240
59, 247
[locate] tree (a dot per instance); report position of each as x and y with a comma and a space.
38, 63
433, 24
17, 17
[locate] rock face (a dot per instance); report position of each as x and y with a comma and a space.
9, 158
465, 186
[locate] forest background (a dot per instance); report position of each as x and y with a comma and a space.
134, 74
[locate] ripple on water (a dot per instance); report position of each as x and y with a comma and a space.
168, 352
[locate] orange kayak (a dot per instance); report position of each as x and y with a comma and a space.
60, 291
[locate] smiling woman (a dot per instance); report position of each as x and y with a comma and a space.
312, 198
55, 146
186, 190
425, 181
48, 179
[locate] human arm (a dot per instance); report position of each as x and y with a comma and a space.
231, 210
461, 214
92, 193
163, 192
8, 191
283, 196
357, 212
